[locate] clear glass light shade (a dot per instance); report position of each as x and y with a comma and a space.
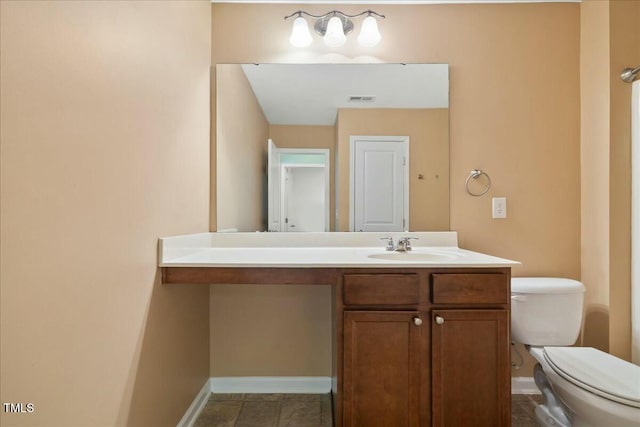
300, 36
369, 35
334, 36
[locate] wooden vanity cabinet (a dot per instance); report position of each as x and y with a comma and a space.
411, 346
424, 348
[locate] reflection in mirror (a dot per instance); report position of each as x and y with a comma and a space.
343, 112
298, 194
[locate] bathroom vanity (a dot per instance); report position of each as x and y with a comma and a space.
419, 338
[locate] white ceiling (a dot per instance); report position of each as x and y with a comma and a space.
310, 94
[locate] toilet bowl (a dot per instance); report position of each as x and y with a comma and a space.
581, 386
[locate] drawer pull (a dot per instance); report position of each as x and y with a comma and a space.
439, 320
417, 321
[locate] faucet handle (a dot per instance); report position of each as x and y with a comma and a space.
390, 245
406, 242
407, 239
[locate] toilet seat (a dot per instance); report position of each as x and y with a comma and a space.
597, 372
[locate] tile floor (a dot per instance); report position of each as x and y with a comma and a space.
522, 407
307, 410
266, 410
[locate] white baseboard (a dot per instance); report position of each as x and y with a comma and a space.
523, 385
271, 385
190, 417
252, 385
519, 385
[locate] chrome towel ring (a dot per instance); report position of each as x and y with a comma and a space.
475, 174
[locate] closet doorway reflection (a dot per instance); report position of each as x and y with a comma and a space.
298, 189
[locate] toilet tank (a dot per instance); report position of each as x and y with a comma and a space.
546, 311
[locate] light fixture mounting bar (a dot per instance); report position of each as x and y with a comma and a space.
334, 13
320, 26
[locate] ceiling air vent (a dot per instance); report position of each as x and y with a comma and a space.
362, 98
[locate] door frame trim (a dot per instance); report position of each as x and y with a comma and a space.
352, 167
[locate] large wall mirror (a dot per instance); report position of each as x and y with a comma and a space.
332, 147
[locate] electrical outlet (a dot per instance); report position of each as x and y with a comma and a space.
499, 207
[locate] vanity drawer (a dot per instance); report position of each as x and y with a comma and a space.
381, 289
478, 288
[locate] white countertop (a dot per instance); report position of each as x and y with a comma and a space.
319, 250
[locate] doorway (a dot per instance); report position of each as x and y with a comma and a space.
303, 197
298, 189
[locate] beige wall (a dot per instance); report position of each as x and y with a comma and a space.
289, 136
280, 330
594, 151
610, 41
625, 52
105, 143
241, 152
515, 106
428, 131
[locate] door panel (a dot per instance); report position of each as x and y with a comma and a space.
379, 185
470, 368
381, 369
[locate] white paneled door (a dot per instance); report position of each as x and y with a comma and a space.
379, 183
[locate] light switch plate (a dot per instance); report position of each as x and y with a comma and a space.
499, 207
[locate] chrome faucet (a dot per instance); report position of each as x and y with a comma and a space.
404, 244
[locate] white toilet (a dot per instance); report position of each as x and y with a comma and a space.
581, 386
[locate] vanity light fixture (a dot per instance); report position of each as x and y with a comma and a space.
334, 27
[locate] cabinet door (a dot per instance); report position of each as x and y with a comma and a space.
471, 384
381, 368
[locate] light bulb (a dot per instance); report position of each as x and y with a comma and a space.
369, 35
300, 36
334, 36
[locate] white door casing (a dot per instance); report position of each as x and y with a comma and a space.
379, 183
273, 186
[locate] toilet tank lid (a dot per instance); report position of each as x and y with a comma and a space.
545, 285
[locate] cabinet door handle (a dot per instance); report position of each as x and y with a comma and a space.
439, 320
417, 321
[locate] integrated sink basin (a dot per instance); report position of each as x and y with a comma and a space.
417, 256
319, 250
